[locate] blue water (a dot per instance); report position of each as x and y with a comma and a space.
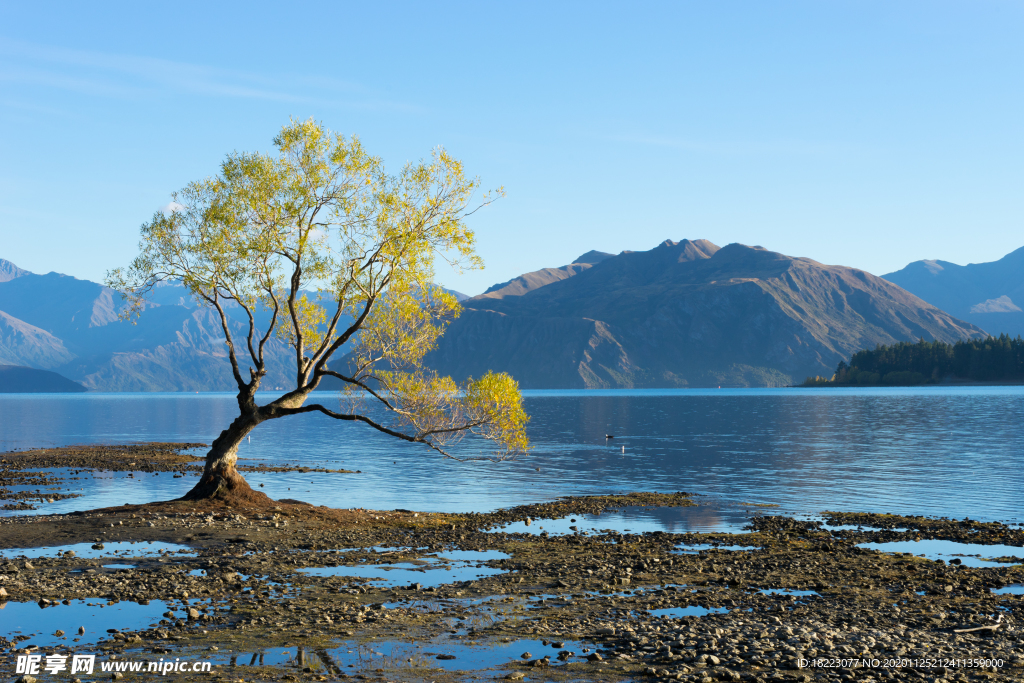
954, 452
969, 554
398, 655
109, 549
95, 615
434, 570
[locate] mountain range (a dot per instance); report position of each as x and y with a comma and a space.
684, 314
990, 295
69, 326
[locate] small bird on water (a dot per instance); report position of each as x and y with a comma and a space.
609, 436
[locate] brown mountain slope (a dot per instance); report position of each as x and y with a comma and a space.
543, 277
687, 314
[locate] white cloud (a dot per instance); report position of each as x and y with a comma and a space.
127, 76
171, 207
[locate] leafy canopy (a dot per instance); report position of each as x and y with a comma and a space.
322, 250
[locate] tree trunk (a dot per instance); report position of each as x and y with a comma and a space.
221, 480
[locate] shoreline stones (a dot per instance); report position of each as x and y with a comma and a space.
590, 597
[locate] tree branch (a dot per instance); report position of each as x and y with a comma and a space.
215, 301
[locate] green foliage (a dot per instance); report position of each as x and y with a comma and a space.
906, 363
902, 378
323, 215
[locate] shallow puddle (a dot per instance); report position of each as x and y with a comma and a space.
855, 527
443, 568
94, 614
122, 548
353, 657
697, 547
465, 656
1016, 589
469, 555
705, 518
691, 611
787, 591
970, 554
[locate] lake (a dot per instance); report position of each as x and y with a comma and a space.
955, 452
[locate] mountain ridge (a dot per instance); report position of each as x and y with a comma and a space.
990, 294
9, 271
687, 313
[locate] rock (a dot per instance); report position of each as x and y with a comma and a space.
445, 657
515, 676
3, 593
116, 676
595, 657
562, 583
81, 630
525, 655
26, 679
193, 613
97, 546
58, 633
29, 565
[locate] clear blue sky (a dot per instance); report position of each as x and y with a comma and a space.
868, 133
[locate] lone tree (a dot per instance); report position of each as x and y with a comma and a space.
328, 250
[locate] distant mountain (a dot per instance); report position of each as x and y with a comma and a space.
24, 344
989, 295
16, 379
71, 326
9, 271
684, 314
540, 278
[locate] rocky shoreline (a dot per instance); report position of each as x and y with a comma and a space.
243, 588
29, 468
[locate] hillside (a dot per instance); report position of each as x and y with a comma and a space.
71, 326
15, 379
989, 295
686, 314
543, 277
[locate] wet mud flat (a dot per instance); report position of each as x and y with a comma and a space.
31, 478
296, 592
